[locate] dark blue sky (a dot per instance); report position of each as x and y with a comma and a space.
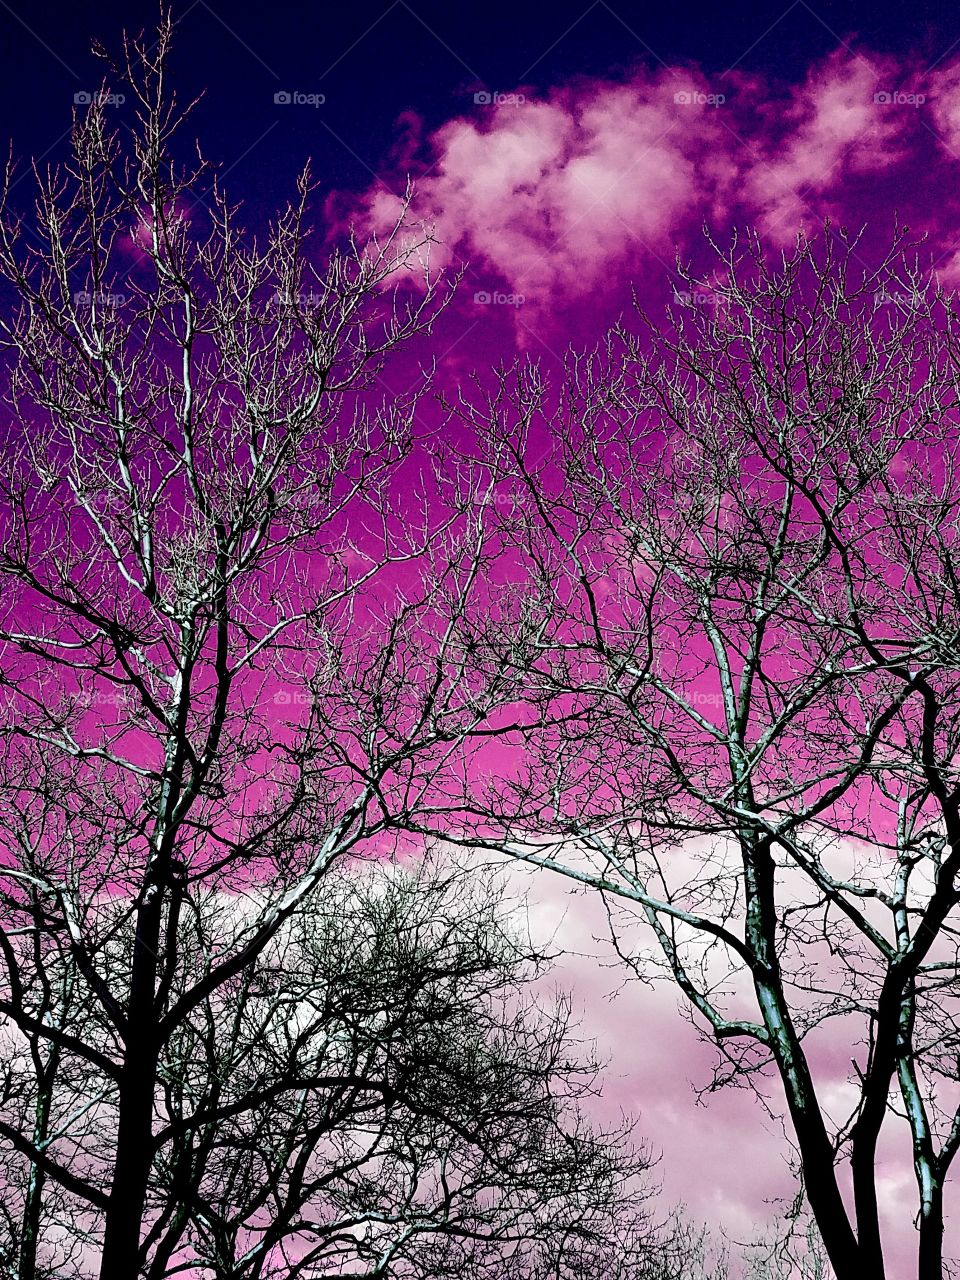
375, 61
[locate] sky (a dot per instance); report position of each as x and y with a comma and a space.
562, 154
565, 154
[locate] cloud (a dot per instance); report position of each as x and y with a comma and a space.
944, 88
549, 193
558, 196
838, 123
727, 1160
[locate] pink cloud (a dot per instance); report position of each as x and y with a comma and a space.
559, 196
724, 1155
839, 122
944, 87
549, 193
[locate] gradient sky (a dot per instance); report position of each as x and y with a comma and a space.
597, 178
375, 62
637, 124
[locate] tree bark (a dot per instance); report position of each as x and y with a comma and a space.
816, 1150
134, 1149
930, 1255
33, 1205
816, 1154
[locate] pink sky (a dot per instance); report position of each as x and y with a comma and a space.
723, 1156
558, 200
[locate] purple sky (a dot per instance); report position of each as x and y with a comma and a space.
565, 156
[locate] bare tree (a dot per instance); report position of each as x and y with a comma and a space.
233, 583
796, 1253
381, 1092
429, 1123
737, 623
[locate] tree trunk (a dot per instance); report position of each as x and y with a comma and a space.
128, 1193
891, 1039
819, 1169
134, 1154
930, 1257
863, 1170
33, 1205
818, 1158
